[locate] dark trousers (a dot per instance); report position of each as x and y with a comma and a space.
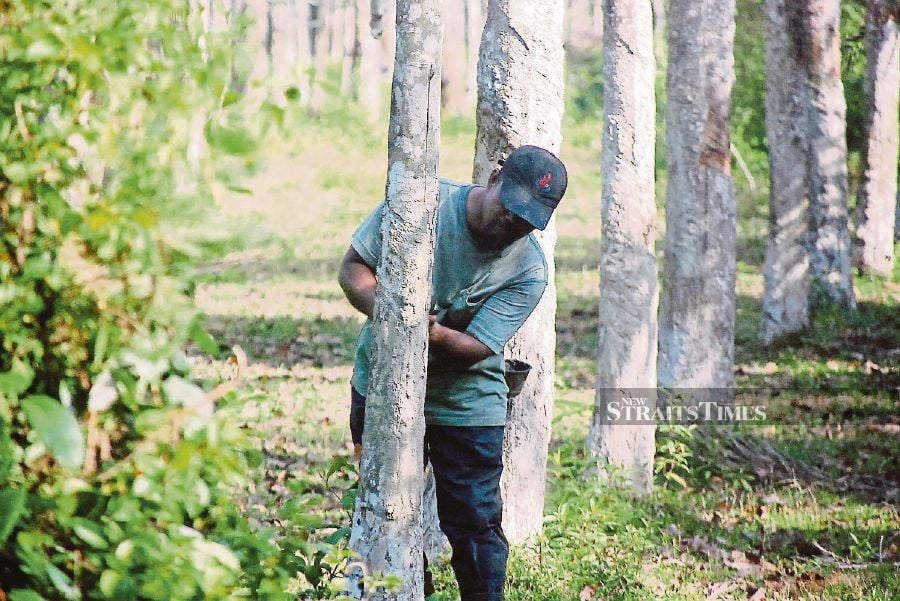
467, 463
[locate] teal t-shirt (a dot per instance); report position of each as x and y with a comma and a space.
487, 294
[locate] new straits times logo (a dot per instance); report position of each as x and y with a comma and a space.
647, 407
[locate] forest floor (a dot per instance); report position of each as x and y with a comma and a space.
813, 515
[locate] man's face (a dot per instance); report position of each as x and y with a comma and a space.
501, 228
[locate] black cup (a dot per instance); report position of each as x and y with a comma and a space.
516, 373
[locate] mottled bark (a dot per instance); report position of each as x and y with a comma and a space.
829, 265
387, 528
874, 248
629, 293
786, 268
520, 101
696, 321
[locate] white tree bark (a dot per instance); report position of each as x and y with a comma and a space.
786, 269
874, 249
696, 321
520, 101
831, 280
387, 524
629, 293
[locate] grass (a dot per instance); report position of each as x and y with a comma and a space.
711, 530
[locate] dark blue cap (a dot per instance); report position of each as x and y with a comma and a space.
533, 181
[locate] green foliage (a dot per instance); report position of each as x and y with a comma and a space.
116, 478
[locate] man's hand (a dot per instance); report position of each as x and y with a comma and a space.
458, 348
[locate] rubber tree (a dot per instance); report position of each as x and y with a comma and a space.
786, 268
629, 294
830, 254
696, 321
520, 101
875, 209
807, 265
387, 525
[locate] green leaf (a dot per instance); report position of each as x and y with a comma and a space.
203, 340
90, 533
292, 93
16, 172
17, 380
62, 583
40, 50
57, 428
230, 140
12, 503
22, 595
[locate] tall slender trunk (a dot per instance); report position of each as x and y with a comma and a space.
387, 525
474, 15
696, 321
875, 212
520, 101
269, 36
453, 86
829, 266
369, 63
629, 294
786, 269
348, 37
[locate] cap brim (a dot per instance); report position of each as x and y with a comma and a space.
520, 202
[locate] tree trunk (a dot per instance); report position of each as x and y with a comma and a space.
318, 47
874, 249
474, 14
829, 265
453, 86
696, 322
629, 293
348, 37
387, 524
269, 36
369, 63
786, 268
520, 101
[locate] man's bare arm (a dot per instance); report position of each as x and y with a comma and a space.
459, 348
358, 281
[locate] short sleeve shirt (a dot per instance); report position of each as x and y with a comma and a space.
487, 294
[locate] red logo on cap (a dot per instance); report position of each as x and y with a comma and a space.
544, 182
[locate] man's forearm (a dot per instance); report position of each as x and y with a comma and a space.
458, 347
358, 282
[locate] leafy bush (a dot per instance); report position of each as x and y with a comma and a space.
115, 474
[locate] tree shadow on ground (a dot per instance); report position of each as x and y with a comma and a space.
287, 341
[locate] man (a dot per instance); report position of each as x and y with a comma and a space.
489, 274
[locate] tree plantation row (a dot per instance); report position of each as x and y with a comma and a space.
808, 258
125, 468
